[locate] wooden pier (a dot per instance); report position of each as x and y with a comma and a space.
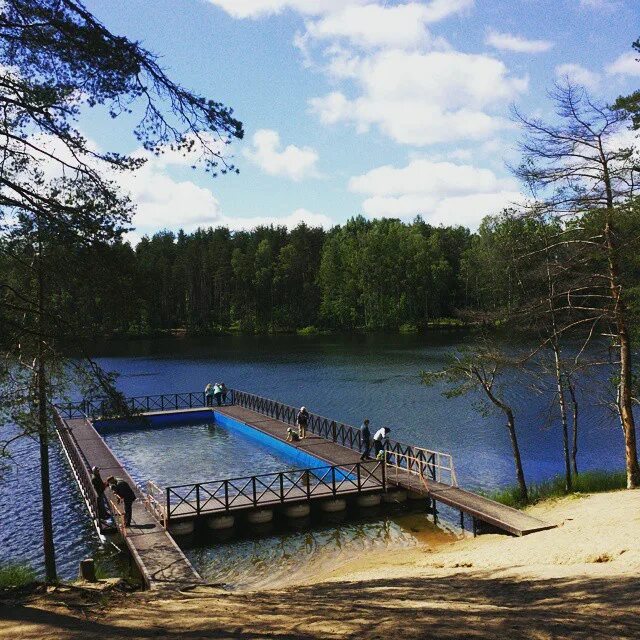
158, 557
407, 471
423, 473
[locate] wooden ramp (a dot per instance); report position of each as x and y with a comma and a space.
483, 509
158, 557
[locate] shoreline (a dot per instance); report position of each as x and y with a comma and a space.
579, 580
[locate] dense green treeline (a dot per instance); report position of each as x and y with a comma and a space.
369, 274
366, 274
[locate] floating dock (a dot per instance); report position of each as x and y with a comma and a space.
335, 473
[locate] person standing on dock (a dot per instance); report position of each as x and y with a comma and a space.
302, 420
125, 494
217, 393
224, 390
365, 440
208, 394
381, 440
99, 486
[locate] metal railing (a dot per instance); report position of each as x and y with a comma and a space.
103, 408
430, 464
268, 489
79, 466
424, 463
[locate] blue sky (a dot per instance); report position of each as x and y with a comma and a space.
361, 106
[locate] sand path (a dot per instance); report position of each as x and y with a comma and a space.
580, 580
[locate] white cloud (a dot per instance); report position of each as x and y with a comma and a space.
290, 221
369, 26
292, 162
579, 75
510, 42
443, 192
432, 11
402, 26
625, 65
163, 202
424, 98
260, 8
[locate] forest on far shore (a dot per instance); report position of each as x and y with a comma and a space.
379, 274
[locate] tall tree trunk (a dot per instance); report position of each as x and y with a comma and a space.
43, 433
625, 393
574, 405
511, 427
563, 417
555, 345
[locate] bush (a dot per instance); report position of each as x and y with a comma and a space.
308, 331
586, 482
16, 575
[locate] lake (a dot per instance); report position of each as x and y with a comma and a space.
346, 378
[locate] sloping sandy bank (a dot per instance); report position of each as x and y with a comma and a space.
580, 580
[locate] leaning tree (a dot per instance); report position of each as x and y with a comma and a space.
59, 190
582, 170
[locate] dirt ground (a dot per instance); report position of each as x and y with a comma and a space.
580, 580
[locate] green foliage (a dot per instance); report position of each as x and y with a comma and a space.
308, 331
14, 575
585, 482
631, 103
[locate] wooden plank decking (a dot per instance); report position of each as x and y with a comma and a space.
159, 558
498, 515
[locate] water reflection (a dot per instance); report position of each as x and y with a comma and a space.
296, 556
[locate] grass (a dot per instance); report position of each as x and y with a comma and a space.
16, 575
586, 482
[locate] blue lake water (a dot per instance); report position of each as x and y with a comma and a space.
345, 378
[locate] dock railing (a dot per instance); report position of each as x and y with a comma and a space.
267, 489
424, 463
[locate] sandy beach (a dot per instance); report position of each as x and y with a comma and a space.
579, 580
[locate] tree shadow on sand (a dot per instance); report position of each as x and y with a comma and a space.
459, 606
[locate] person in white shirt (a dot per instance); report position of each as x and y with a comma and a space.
380, 440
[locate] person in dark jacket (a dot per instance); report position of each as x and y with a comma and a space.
99, 485
302, 420
365, 439
125, 493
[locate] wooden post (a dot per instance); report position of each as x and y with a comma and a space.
358, 474
88, 570
281, 486
253, 484
435, 512
462, 520
226, 495
197, 499
333, 480
168, 505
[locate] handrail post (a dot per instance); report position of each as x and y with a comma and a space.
168, 516
226, 495
384, 472
253, 483
334, 434
198, 499
333, 480
281, 486
358, 470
